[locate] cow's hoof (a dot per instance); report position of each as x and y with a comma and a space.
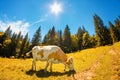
33, 70
50, 70
64, 70
72, 71
45, 71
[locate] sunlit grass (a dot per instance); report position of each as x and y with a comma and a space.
19, 69
110, 64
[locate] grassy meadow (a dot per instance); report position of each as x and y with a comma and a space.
101, 63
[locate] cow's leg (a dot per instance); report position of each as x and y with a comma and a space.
34, 65
47, 64
65, 68
51, 67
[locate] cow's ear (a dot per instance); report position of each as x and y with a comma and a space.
71, 59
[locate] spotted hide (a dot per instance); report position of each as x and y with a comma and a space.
50, 54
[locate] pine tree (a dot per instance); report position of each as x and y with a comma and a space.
113, 33
84, 30
53, 32
13, 44
36, 38
8, 32
6, 43
93, 41
117, 26
98, 24
44, 42
18, 44
85, 40
74, 42
102, 33
19, 36
79, 36
23, 46
67, 39
107, 37
60, 39
2, 39
51, 38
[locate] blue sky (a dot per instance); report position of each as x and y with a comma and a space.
28, 15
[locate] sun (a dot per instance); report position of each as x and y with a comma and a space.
56, 8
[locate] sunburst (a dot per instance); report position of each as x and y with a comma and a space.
56, 8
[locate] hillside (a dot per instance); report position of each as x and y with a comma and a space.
101, 63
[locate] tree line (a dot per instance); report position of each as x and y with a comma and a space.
12, 44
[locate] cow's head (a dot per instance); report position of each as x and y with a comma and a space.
69, 64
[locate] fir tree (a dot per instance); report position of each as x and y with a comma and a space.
23, 46
13, 44
102, 33
51, 38
44, 42
113, 33
8, 32
85, 40
117, 26
60, 39
74, 42
79, 36
36, 38
67, 39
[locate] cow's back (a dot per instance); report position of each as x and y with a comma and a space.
49, 52
44, 52
57, 54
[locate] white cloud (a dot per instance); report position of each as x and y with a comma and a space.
44, 18
16, 26
38, 21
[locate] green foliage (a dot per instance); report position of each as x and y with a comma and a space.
8, 32
79, 36
67, 40
2, 37
60, 39
36, 38
107, 37
92, 41
74, 43
102, 32
24, 46
117, 25
113, 33
51, 38
17, 45
85, 40
13, 44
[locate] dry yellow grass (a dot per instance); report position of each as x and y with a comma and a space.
19, 69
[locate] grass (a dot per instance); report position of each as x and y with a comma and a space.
109, 69
110, 64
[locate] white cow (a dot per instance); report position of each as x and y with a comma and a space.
51, 54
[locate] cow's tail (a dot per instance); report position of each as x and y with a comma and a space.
28, 53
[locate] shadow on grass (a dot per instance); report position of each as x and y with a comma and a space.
43, 74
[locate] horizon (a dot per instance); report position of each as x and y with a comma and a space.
27, 16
